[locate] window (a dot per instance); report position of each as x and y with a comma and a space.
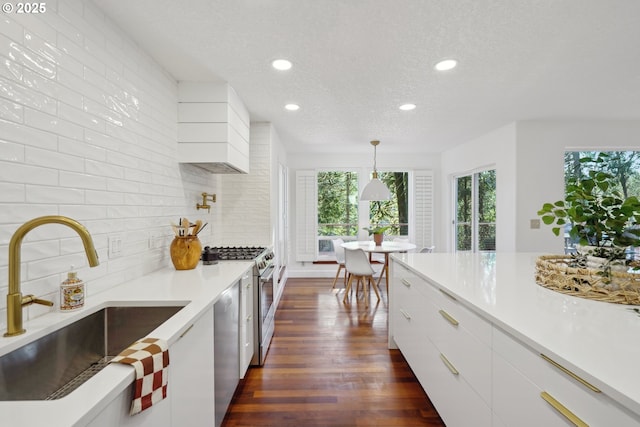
395, 211
338, 215
337, 208
475, 212
327, 206
623, 165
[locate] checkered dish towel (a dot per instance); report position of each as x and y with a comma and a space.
150, 358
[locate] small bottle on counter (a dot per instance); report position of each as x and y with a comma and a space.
71, 292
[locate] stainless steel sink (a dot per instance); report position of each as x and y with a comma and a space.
56, 364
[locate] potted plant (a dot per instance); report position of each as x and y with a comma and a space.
596, 216
377, 232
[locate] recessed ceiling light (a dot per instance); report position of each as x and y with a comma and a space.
281, 64
292, 107
446, 65
407, 107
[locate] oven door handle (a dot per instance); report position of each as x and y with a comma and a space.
271, 270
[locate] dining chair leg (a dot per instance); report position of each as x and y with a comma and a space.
347, 290
365, 286
340, 268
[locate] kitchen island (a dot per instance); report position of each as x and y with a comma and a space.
100, 400
482, 336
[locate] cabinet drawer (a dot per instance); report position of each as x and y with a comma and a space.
477, 326
521, 375
471, 356
456, 402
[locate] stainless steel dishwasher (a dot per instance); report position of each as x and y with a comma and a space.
226, 358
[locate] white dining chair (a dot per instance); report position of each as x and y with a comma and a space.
339, 251
358, 268
427, 250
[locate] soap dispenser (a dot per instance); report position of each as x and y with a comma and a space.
71, 292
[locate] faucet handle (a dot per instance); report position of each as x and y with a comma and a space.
31, 299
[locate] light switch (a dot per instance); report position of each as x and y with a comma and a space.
535, 224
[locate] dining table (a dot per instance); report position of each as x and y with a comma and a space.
386, 248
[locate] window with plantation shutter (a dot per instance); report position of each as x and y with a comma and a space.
423, 208
306, 216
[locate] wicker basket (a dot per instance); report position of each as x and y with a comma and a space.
554, 272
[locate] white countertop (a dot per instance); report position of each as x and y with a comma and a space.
197, 289
598, 341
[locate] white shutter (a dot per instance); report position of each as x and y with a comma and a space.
306, 216
423, 203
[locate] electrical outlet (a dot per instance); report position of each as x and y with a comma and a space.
115, 246
534, 224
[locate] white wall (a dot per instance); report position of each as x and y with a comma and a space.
540, 174
87, 130
529, 160
495, 150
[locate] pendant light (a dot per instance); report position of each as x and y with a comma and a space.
375, 190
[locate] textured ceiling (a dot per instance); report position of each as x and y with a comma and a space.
356, 61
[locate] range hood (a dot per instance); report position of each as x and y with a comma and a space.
213, 127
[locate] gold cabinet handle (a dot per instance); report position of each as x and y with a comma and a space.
187, 331
447, 294
563, 410
571, 374
406, 283
405, 314
449, 318
448, 364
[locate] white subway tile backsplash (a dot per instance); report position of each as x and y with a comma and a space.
12, 192
20, 133
20, 94
53, 159
51, 88
80, 117
10, 69
52, 124
84, 212
27, 174
88, 131
35, 23
53, 195
22, 55
82, 180
17, 213
83, 149
10, 111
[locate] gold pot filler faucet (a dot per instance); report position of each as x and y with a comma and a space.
15, 300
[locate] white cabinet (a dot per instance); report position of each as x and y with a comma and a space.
191, 376
533, 389
117, 413
190, 392
246, 321
477, 373
452, 364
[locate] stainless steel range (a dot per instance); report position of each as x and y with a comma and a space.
263, 281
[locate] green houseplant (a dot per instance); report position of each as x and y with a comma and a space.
377, 232
596, 215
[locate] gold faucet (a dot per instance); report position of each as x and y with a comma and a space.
206, 198
15, 300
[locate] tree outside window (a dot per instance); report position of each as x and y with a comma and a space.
475, 220
623, 165
395, 211
337, 207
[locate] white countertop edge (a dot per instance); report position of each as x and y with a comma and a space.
196, 289
629, 397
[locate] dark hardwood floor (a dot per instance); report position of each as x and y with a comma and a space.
329, 365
